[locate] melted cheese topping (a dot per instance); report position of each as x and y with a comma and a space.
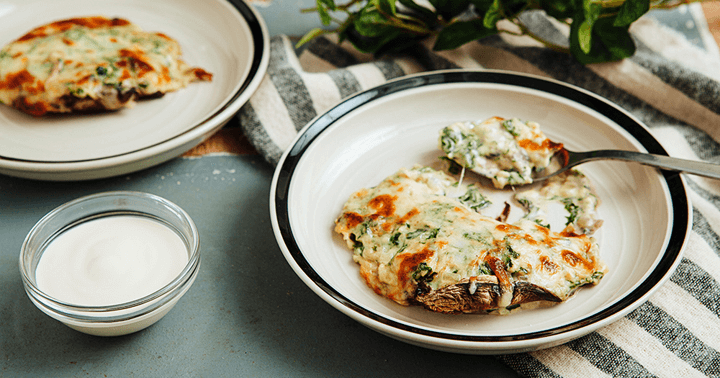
96, 58
574, 192
505, 151
409, 228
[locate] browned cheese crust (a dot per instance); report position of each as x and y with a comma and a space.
90, 64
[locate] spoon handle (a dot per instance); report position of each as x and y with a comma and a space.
673, 164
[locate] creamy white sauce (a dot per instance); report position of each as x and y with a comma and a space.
572, 193
111, 260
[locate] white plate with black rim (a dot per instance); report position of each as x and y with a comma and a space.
227, 38
373, 134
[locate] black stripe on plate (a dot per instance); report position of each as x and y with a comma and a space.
675, 185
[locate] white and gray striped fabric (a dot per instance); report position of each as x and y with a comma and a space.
670, 85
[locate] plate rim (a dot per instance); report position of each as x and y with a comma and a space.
175, 144
671, 256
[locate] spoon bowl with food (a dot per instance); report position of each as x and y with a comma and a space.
514, 152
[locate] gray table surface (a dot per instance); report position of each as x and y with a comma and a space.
247, 313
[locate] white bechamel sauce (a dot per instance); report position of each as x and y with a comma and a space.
571, 189
111, 260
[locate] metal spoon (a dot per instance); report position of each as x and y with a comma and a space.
567, 159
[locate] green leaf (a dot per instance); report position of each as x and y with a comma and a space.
387, 6
423, 273
374, 45
311, 35
427, 15
630, 11
512, 8
474, 199
372, 23
609, 43
585, 36
559, 9
448, 9
461, 32
322, 9
481, 6
616, 39
591, 12
493, 14
329, 4
597, 34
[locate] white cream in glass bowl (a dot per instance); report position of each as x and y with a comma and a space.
111, 263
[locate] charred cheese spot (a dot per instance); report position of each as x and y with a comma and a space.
201, 74
528, 239
408, 262
545, 145
63, 25
353, 219
573, 259
407, 216
548, 265
384, 205
36, 109
16, 80
90, 64
506, 228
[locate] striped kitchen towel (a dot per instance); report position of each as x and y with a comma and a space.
670, 84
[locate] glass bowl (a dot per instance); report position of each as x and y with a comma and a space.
112, 319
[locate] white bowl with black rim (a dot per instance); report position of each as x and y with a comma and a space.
371, 135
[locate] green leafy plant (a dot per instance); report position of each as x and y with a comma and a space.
598, 28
